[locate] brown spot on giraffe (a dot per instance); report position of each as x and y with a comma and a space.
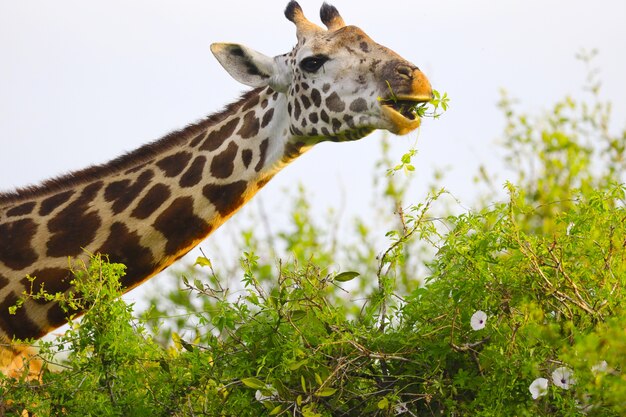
180, 226
21, 210
334, 103
74, 227
250, 126
263, 152
123, 193
316, 97
18, 325
49, 204
194, 174
359, 105
349, 121
123, 246
16, 249
173, 165
196, 141
246, 157
57, 316
217, 137
114, 189
222, 165
267, 117
154, 198
296, 109
324, 116
225, 197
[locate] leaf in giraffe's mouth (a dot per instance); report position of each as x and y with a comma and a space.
408, 108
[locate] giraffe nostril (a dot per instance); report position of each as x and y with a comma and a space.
405, 71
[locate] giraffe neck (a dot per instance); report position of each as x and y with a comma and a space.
145, 209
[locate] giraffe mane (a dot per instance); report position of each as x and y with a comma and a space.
127, 160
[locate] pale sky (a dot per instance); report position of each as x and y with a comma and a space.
81, 82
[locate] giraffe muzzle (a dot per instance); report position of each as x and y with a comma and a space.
401, 109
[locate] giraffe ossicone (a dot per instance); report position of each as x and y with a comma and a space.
149, 207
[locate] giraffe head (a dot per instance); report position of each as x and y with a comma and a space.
339, 84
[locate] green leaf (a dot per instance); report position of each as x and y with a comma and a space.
325, 392
164, 365
298, 315
297, 365
318, 379
203, 261
303, 383
383, 404
253, 383
346, 276
188, 347
309, 411
276, 410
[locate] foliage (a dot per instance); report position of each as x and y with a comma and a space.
512, 308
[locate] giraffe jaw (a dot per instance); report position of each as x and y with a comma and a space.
401, 111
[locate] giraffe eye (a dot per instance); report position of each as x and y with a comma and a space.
313, 63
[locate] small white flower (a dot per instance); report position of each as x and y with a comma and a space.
400, 408
600, 367
538, 388
569, 228
260, 397
563, 377
478, 320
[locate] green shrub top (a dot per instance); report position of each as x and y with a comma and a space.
512, 308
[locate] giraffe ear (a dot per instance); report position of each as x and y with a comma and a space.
245, 65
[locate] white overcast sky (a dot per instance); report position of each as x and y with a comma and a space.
83, 81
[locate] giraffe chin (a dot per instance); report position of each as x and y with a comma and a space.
401, 125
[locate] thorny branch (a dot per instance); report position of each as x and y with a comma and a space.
384, 259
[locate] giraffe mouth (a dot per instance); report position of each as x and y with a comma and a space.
403, 112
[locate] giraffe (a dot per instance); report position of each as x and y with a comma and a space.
149, 207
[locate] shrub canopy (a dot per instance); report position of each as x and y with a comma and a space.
511, 308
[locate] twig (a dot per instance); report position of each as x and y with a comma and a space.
582, 303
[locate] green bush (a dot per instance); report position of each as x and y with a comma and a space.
460, 315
